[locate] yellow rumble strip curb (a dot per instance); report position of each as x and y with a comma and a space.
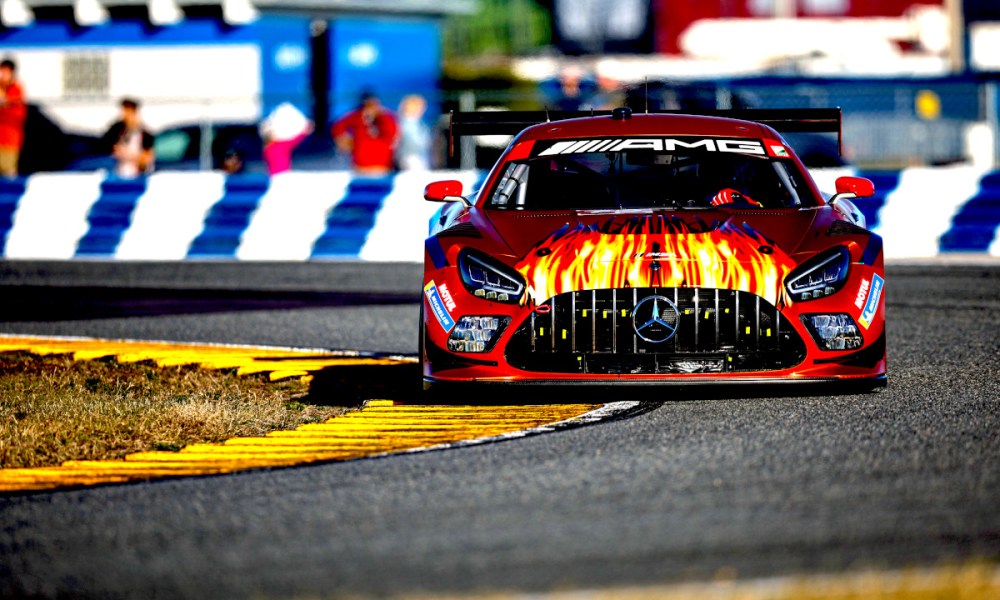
278, 363
380, 428
970, 581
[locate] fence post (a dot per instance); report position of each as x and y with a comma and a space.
993, 119
467, 103
205, 149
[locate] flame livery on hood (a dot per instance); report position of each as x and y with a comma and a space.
656, 251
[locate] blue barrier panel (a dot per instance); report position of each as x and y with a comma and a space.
229, 217
974, 226
11, 191
110, 216
350, 220
885, 182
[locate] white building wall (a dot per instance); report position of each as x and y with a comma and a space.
175, 84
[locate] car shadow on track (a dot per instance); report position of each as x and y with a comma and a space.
354, 384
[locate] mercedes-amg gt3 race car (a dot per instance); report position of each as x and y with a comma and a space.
659, 248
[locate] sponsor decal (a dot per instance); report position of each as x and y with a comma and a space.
449, 302
871, 304
655, 255
438, 307
779, 151
859, 301
670, 145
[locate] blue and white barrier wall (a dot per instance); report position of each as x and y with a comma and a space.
333, 215
926, 212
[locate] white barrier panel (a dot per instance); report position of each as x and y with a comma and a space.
292, 215
51, 216
401, 226
921, 209
170, 215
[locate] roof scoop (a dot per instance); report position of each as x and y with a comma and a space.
621, 113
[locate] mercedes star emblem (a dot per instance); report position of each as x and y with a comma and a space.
655, 319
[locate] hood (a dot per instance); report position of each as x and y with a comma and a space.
711, 249
522, 230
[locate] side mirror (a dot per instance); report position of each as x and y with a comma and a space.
445, 191
854, 187
848, 188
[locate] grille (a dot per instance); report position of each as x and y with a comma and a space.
716, 331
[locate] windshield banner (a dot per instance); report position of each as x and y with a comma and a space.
667, 145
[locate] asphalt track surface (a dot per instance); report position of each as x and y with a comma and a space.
757, 486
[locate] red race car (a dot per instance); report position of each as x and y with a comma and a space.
621, 248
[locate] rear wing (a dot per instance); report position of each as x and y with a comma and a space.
791, 120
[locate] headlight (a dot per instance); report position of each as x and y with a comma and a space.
487, 278
476, 334
820, 276
834, 331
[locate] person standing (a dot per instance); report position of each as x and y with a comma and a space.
414, 150
13, 113
282, 131
369, 134
129, 142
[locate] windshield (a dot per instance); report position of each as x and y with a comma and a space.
645, 179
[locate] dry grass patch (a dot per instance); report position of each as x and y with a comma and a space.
54, 409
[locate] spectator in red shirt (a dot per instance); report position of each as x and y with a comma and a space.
12, 115
369, 133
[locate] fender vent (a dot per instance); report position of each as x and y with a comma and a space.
466, 230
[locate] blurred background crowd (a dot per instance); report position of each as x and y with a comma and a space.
133, 86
